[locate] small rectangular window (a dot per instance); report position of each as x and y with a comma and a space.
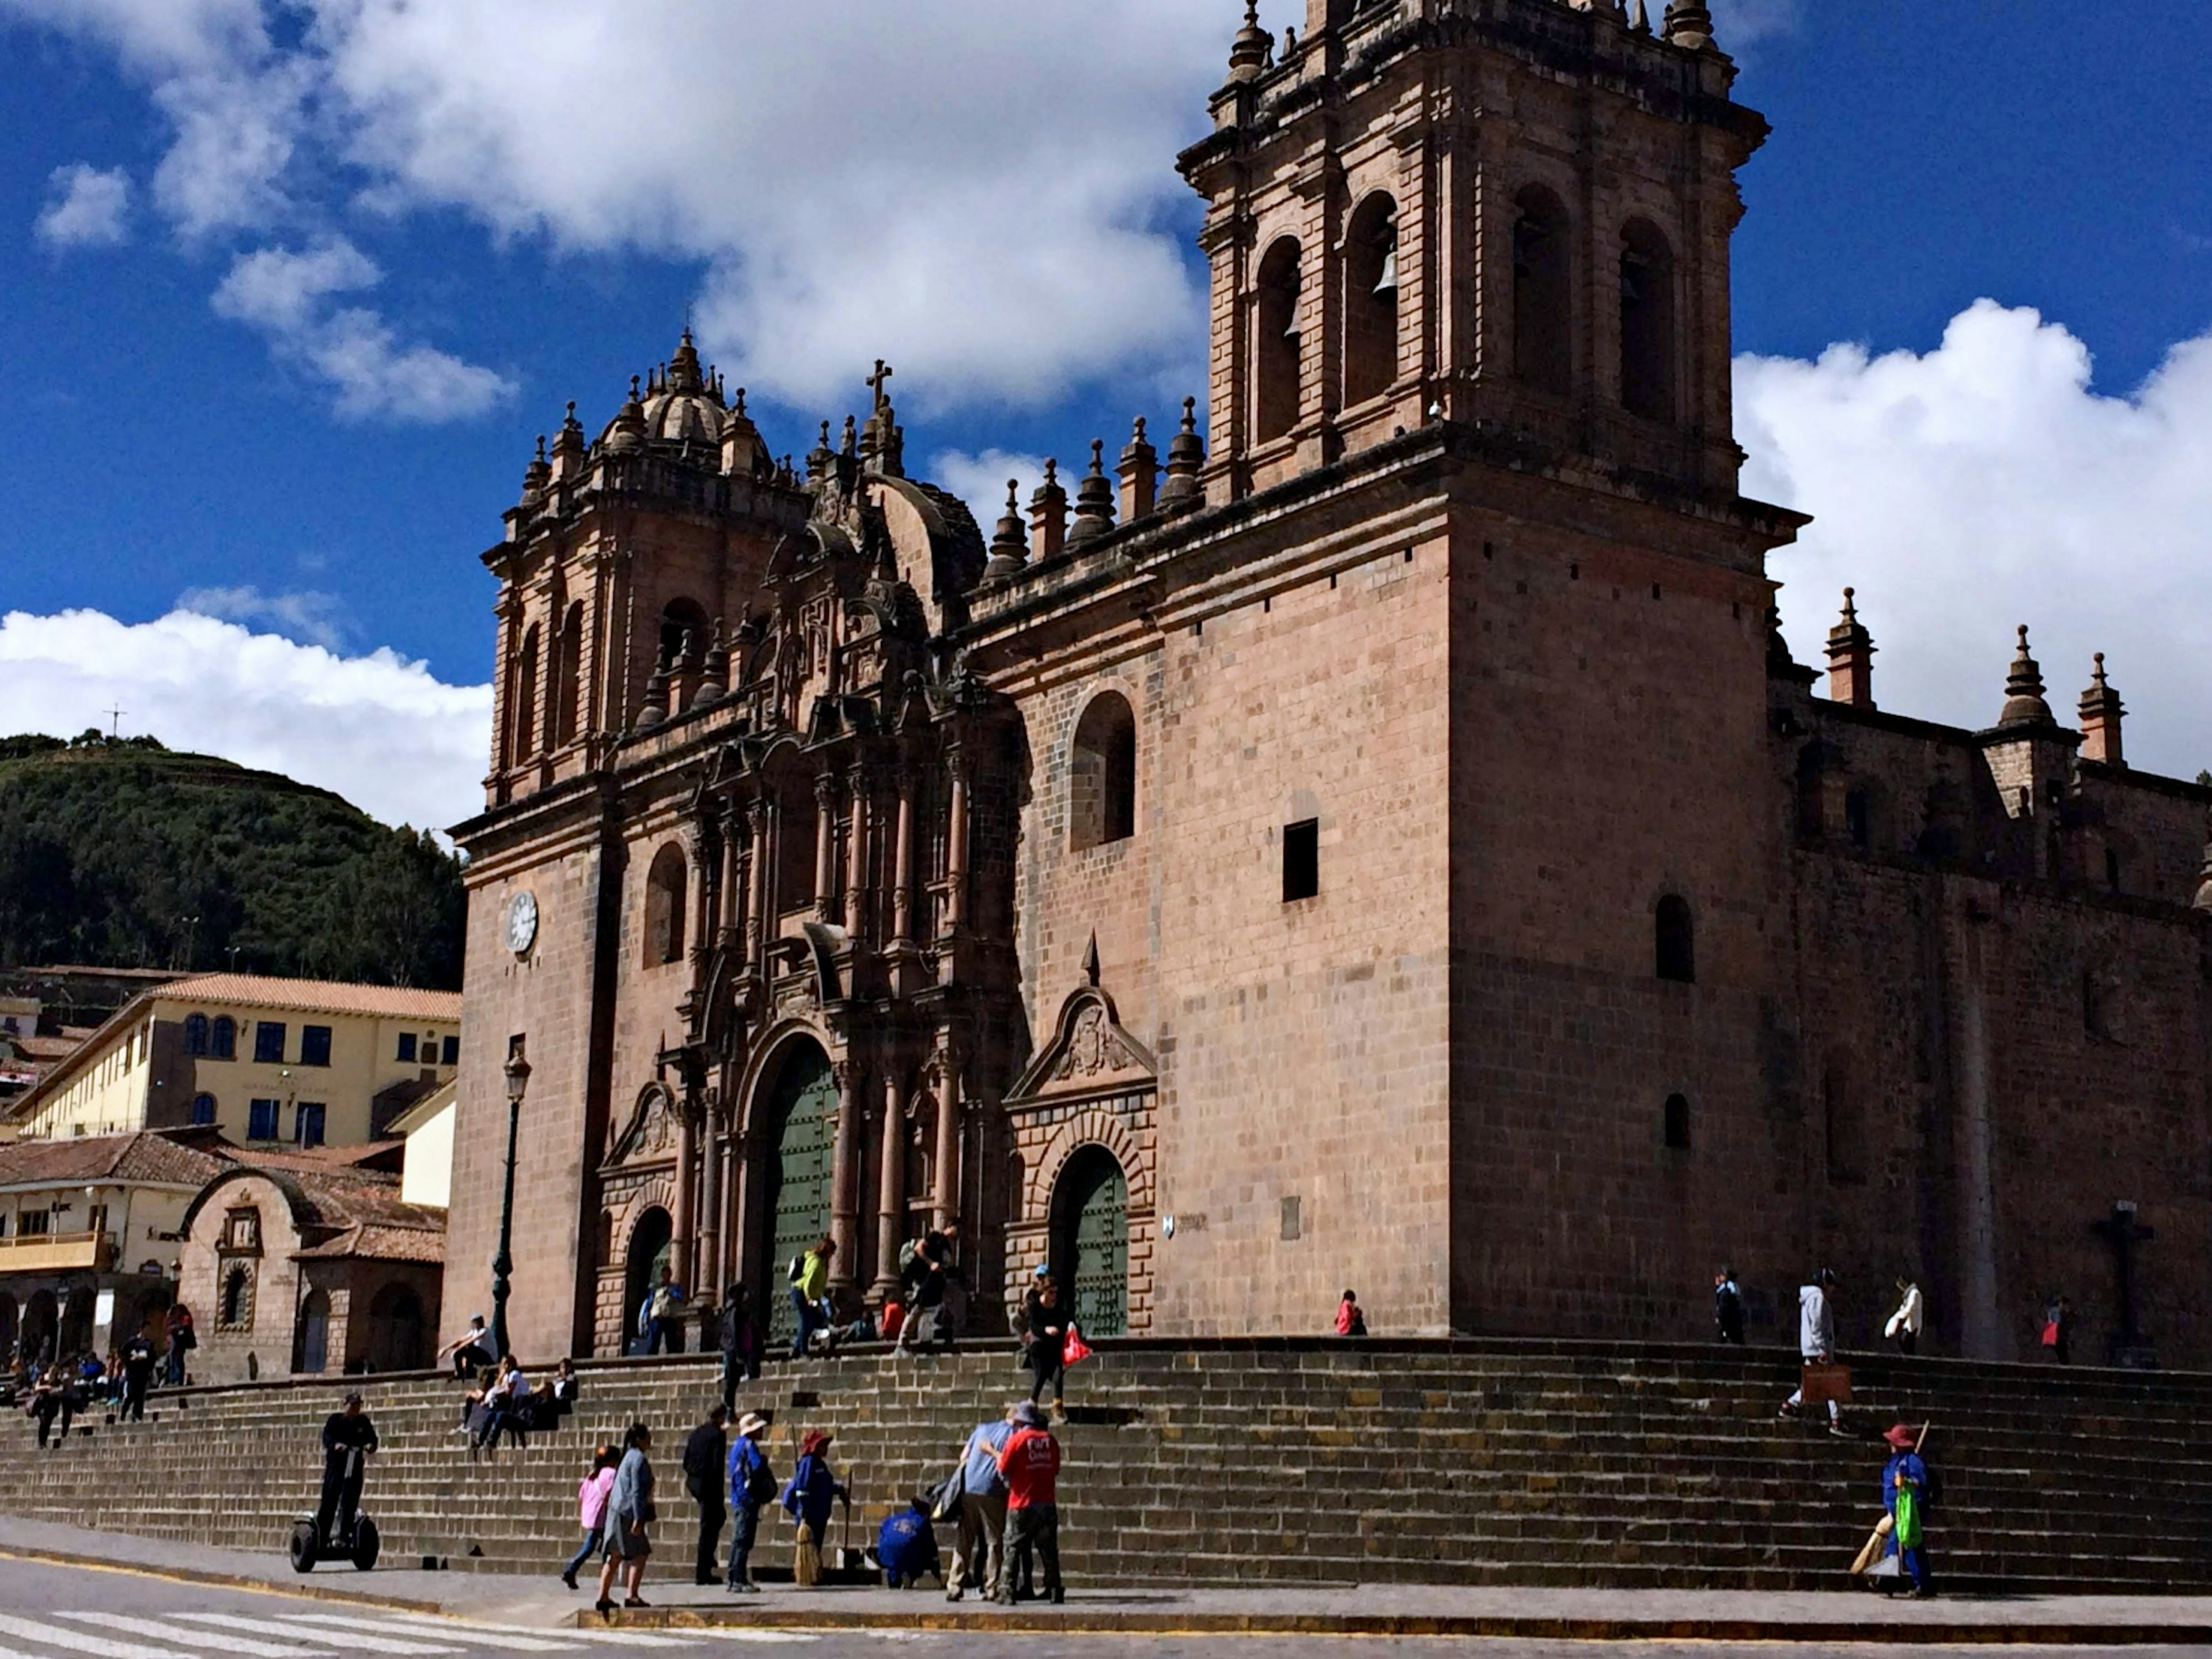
307, 1123
261, 1119
1293, 1221
449, 1053
95, 1219
1300, 860
36, 1222
202, 1110
269, 1041
315, 1045
407, 1048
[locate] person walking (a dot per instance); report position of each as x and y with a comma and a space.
631, 1511
739, 1340
1904, 1326
592, 1493
1045, 1323
177, 1326
752, 1488
705, 1455
349, 1438
137, 1377
813, 1491
663, 1315
928, 1318
1727, 1308
809, 1292
1030, 1462
1905, 1495
1816, 1340
2058, 1331
1350, 1320
53, 1395
982, 1544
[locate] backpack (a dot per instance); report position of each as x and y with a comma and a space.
760, 1485
797, 1269
909, 1253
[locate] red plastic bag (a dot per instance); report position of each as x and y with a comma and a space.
1074, 1349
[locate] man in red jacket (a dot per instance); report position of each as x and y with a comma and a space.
1031, 1464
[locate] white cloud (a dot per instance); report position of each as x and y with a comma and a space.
285, 294
377, 729
86, 208
310, 616
1985, 484
981, 481
1740, 23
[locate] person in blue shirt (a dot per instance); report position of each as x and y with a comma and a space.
1905, 1495
982, 1510
808, 1496
752, 1487
906, 1546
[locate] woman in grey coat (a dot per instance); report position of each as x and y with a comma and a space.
629, 1511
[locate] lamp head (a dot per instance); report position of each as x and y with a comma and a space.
518, 1072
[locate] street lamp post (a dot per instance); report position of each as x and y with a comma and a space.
518, 1079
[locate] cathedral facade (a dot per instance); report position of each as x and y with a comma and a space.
1383, 842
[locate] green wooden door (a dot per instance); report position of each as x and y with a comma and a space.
1094, 1249
801, 1115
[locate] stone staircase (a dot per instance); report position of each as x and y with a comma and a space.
1466, 1461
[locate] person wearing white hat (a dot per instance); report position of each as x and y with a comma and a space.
752, 1485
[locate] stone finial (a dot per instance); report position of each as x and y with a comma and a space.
1186, 458
654, 710
1690, 25
850, 444
1140, 470
714, 678
1253, 49
684, 373
1850, 658
628, 432
821, 458
1010, 542
2100, 719
1640, 19
2024, 703
537, 476
1093, 500
1049, 515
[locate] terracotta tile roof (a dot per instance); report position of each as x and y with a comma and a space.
314, 996
375, 1242
148, 1156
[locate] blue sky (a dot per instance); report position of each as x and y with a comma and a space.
291, 288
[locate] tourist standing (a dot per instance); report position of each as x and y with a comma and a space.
1816, 1340
2058, 1331
1350, 1320
178, 1326
664, 1314
813, 1490
137, 1377
630, 1511
1045, 1324
1905, 1495
752, 1488
1727, 1308
591, 1494
705, 1455
980, 1548
1031, 1464
810, 1292
740, 1343
1904, 1326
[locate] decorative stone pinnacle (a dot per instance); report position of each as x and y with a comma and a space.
1009, 544
1249, 54
2024, 703
1689, 25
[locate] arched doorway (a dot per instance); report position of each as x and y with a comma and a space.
41, 1324
1090, 1239
76, 1320
314, 1341
395, 1330
798, 1118
8, 1323
647, 1254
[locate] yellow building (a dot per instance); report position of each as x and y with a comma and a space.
307, 1062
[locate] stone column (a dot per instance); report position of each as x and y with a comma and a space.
956, 848
856, 858
945, 1203
731, 890
687, 1153
709, 1270
890, 1206
845, 1176
732, 1246
702, 923
758, 816
903, 875
825, 843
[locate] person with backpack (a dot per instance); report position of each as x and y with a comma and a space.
706, 1456
1350, 1320
1727, 1308
660, 1321
925, 1271
753, 1489
1030, 1465
808, 1497
1904, 1494
809, 1274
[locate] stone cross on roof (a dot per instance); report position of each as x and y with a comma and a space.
875, 381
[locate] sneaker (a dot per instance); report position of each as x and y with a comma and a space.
1839, 1431
568, 1578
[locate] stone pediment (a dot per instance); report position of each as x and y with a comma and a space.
1089, 1053
650, 1134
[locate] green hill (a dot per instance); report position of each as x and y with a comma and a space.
122, 854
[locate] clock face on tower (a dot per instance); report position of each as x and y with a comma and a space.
522, 922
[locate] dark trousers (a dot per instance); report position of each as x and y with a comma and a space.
1035, 1527
134, 1399
712, 1511
742, 1535
664, 1336
172, 1371
736, 1368
809, 1321
47, 1407
469, 1359
1044, 1359
341, 1496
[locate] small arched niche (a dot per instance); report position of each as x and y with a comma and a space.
665, 886
1102, 773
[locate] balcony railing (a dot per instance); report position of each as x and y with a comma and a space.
32, 1253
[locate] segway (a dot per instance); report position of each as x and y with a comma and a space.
360, 1546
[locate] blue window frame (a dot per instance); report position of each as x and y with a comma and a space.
406, 1048
269, 1041
261, 1119
452, 1053
222, 1038
307, 1123
315, 1045
202, 1110
196, 1035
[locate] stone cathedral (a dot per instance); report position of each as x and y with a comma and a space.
1381, 841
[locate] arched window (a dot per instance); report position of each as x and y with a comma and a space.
203, 1111
1276, 351
1675, 936
568, 678
1102, 773
523, 705
1647, 322
1370, 300
222, 1038
1543, 291
237, 1306
683, 629
314, 1333
1675, 1122
664, 885
196, 1035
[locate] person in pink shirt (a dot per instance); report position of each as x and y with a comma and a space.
592, 1510
1031, 1464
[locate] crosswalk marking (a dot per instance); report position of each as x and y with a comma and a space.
344, 1641
449, 1629
634, 1639
78, 1641
171, 1637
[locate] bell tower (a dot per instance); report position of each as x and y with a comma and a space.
1514, 214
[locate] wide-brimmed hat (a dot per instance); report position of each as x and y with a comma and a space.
750, 1424
1028, 1413
817, 1441
1903, 1436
